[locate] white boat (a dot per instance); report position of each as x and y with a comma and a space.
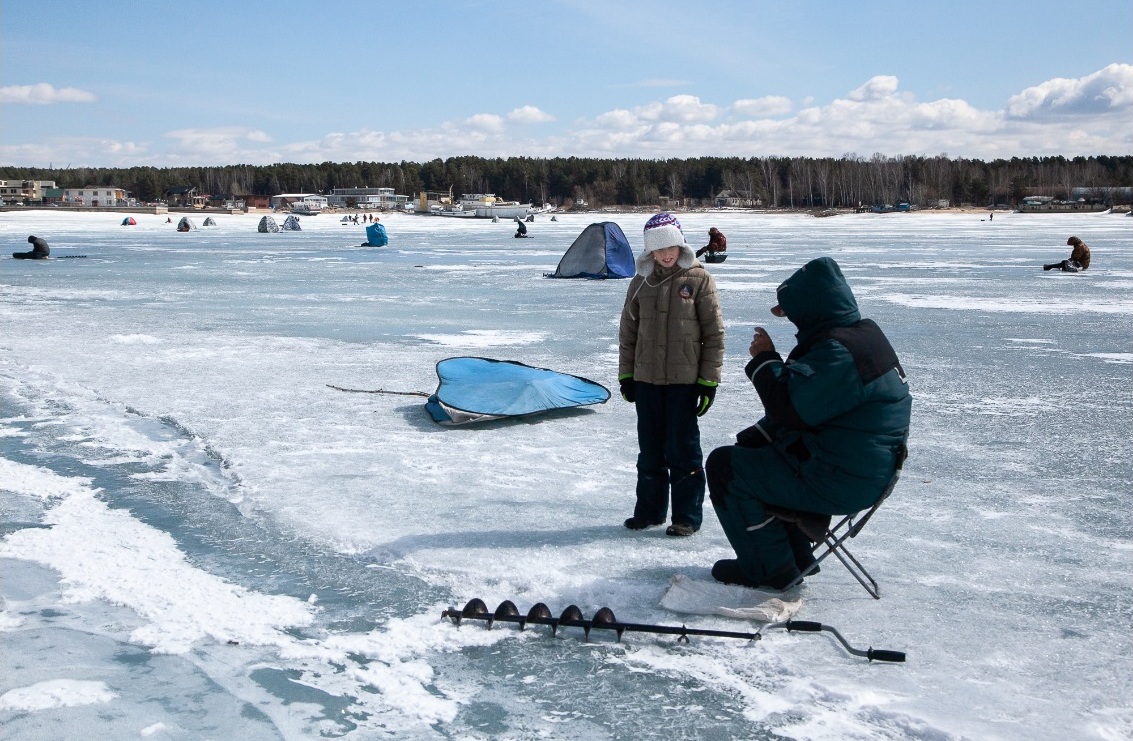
486, 205
455, 210
305, 208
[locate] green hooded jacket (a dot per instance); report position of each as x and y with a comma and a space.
839, 407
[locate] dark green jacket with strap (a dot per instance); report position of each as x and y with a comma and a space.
839, 406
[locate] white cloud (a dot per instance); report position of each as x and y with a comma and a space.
80, 151
485, 122
44, 93
529, 114
220, 140
1092, 118
770, 105
877, 88
616, 120
1109, 89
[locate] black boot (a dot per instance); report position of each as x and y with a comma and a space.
801, 547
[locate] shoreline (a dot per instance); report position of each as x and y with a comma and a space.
816, 213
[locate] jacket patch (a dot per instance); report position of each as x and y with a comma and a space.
686, 291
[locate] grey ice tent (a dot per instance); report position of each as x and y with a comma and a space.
481, 389
209, 222
601, 251
291, 224
267, 224
185, 224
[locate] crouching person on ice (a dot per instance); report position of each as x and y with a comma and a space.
836, 418
670, 351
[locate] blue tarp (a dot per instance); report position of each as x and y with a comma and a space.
479, 389
376, 235
601, 251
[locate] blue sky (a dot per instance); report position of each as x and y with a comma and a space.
124, 82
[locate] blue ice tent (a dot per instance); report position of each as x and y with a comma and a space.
376, 235
601, 251
480, 389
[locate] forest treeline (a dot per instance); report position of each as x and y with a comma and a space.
792, 182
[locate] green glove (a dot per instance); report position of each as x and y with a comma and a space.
707, 395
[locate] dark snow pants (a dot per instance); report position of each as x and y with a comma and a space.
742, 480
670, 458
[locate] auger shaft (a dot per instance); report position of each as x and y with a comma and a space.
604, 619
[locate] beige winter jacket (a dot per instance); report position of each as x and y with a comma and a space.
671, 329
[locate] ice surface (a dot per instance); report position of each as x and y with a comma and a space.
202, 538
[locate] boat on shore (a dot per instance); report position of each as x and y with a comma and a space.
306, 209
482, 206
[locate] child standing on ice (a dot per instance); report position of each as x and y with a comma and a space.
670, 351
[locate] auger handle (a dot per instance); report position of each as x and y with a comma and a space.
808, 626
879, 654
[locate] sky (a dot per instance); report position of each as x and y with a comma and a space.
152, 82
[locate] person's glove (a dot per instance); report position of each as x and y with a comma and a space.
752, 437
707, 394
629, 387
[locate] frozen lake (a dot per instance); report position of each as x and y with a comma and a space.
203, 540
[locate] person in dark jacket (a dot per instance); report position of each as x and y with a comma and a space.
717, 242
1079, 258
833, 433
39, 250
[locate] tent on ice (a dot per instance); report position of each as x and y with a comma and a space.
209, 222
185, 224
291, 224
481, 389
267, 224
601, 251
129, 221
376, 236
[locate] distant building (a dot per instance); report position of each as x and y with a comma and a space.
185, 196
226, 201
1111, 195
289, 200
737, 199
371, 199
105, 196
24, 191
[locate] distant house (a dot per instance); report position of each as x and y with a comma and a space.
181, 195
105, 196
287, 200
225, 201
729, 198
372, 199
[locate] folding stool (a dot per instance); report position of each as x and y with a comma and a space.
832, 540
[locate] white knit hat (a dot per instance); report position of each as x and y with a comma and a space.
661, 231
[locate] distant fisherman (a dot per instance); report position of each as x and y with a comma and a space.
1079, 258
39, 250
